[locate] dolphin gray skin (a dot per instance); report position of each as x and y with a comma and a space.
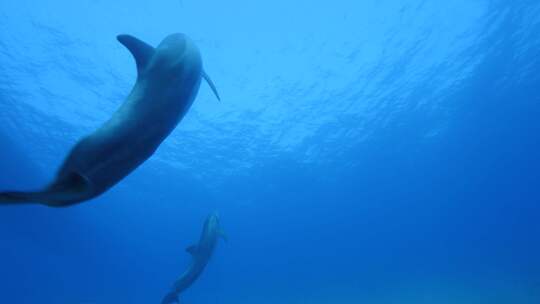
168, 79
201, 254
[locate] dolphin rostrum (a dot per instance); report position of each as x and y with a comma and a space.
168, 79
201, 254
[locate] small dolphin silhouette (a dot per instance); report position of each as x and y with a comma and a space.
168, 79
201, 254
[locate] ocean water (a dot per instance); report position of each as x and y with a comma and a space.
376, 151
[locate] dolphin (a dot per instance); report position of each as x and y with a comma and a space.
201, 254
168, 79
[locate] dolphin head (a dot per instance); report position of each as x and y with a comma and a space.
177, 61
213, 220
173, 67
213, 226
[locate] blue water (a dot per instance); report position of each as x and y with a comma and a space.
375, 151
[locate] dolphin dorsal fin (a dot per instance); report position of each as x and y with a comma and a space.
141, 51
211, 84
192, 249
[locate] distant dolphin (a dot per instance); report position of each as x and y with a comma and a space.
201, 254
168, 79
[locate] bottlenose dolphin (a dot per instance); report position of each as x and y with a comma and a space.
200, 254
168, 79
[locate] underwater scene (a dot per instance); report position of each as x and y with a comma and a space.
263, 152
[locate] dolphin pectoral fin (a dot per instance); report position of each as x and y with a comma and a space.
141, 51
211, 84
223, 235
192, 249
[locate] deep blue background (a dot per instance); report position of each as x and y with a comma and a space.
373, 151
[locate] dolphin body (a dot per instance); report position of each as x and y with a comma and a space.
168, 79
201, 254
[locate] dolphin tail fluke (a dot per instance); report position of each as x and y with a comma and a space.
62, 193
170, 298
17, 198
211, 84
